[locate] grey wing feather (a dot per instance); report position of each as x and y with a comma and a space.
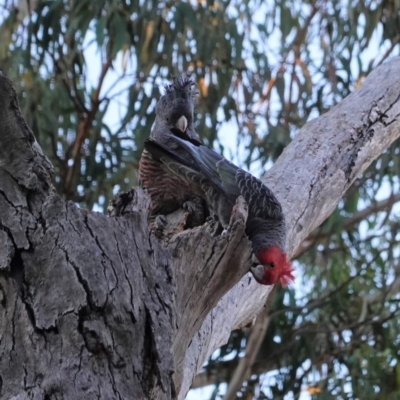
233, 181
200, 158
213, 173
180, 164
260, 199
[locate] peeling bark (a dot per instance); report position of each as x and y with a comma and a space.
87, 309
105, 307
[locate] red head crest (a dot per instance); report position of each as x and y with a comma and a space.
274, 267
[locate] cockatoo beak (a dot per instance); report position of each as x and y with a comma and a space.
258, 271
181, 124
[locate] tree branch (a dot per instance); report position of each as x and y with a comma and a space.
80, 293
243, 370
318, 235
85, 125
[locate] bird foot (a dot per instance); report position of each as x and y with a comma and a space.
160, 221
211, 219
189, 206
214, 226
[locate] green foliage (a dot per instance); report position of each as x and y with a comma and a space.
89, 73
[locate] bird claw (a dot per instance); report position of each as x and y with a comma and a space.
189, 206
211, 219
160, 221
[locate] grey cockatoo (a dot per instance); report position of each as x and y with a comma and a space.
173, 111
220, 183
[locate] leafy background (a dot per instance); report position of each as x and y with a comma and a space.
89, 73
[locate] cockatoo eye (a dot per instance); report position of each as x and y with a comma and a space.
272, 265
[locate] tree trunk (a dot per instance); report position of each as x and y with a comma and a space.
99, 307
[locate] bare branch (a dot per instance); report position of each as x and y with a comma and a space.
317, 235
243, 371
84, 127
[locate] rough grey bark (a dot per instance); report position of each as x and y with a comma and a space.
87, 307
98, 307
